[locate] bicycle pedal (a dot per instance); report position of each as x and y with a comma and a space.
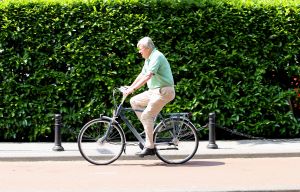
124, 150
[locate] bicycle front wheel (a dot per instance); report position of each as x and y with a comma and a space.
97, 145
176, 140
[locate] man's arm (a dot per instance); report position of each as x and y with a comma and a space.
138, 78
138, 83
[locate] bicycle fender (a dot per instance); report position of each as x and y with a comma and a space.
103, 117
170, 119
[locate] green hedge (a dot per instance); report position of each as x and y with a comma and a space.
59, 58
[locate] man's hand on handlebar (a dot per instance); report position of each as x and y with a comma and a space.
126, 90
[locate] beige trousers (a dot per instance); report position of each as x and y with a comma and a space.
152, 102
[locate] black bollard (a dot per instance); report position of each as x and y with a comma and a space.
212, 131
57, 136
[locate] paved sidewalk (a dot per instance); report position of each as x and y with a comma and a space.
226, 149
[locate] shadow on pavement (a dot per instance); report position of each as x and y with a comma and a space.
192, 163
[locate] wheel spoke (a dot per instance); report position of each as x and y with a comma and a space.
176, 141
97, 145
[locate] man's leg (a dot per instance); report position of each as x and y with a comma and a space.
139, 102
158, 99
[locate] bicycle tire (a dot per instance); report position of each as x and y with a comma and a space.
176, 140
97, 150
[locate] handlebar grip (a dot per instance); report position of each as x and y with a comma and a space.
122, 89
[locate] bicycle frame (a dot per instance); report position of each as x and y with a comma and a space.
129, 124
119, 111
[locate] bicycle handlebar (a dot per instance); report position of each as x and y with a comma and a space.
120, 89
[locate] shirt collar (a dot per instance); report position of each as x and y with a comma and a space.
151, 55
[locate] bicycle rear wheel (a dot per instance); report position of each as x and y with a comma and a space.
97, 145
176, 140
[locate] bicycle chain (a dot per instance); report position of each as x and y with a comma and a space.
235, 132
257, 138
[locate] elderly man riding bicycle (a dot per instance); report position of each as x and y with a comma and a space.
157, 74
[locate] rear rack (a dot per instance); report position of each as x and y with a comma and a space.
185, 115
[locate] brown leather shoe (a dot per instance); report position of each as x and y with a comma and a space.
146, 151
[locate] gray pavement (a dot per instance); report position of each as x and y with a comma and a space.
226, 149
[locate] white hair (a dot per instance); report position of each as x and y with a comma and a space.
146, 42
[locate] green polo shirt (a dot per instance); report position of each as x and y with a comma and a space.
160, 67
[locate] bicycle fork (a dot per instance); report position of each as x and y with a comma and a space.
105, 136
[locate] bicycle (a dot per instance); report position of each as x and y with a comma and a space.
101, 141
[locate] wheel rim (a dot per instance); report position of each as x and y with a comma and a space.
178, 145
95, 148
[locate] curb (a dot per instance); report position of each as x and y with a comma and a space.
226, 149
134, 157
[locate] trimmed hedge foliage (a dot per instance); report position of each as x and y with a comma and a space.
57, 58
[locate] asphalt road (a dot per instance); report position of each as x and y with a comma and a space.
236, 174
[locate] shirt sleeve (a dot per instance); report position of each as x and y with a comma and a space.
154, 65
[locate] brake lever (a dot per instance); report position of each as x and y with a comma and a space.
122, 88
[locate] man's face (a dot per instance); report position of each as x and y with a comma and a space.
145, 52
